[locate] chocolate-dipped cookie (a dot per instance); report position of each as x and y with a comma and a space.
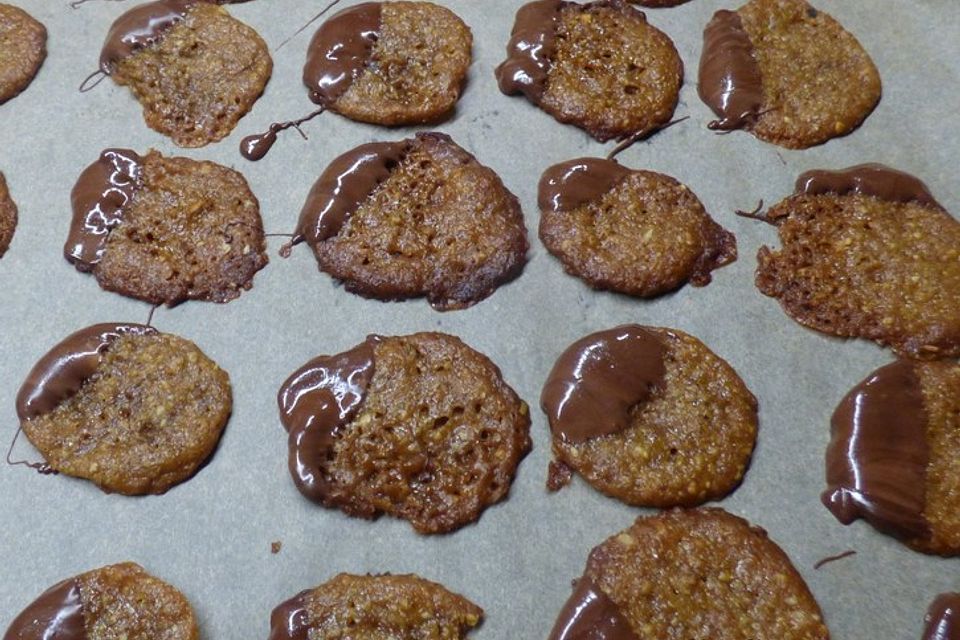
195, 69
787, 72
420, 427
599, 66
649, 416
657, 4
165, 230
419, 217
23, 47
892, 456
112, 602
133, 410
383, 606
635, 232
942, 621
867, 252
702, 573
8, 216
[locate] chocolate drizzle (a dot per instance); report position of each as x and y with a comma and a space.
942, 621
62, 371
873, 179
56, 615
729, 81
878, 453
99, 196
568, 185
318, 400
529, 52
590, 614
599, 379
290, 619
256, 146
340, 50
139, 28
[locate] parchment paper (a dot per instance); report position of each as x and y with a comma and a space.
211, 536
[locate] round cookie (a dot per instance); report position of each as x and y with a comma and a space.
419, 217
702, 573
599, 66
195, 69
649, 416
787, 72
116, 601
23, 47
892, 456
132, 410
165, 230
8, 216
635, 232
867, 252
383, 606
420, 427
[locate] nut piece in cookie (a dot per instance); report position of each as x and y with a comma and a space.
116, 601
892, 456
868, 253
419, 217
649, 416
383, 606
195, 69
23, 47
599, 66
130, 409
701, 573
787, 72
420, 427
635, 232
165, 230
8, 216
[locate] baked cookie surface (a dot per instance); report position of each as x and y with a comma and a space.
8, 216
23, 48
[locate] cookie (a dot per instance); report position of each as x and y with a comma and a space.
8, 216
117, 601
23, 47
649, 416
419, 217
599, 66
635, 232
656, 4
385, 606
787, 72
867, 252
132, 410
195, 69
892, 455
420, 427
941, 621
690, 574
165, 230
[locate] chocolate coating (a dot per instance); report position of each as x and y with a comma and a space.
63, 370
568, 185
290, 619
729, 80
340, 50
98, 199
530, 49
590, 614
140, 27
878, 453
941, 621
872, 179
598, 379
56, 615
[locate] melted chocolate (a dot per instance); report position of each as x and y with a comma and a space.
99, 196
590, 614
531, 47
257, 146
568, 185
290, 619
729, 80
599, 378
942, 621
140, 27
56, 615
877, 180
318, 400
340, 50
63, 370
878, 453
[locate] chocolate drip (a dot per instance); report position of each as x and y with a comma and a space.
290, 619
257, 146
56, 615
873, 179
531, 47
63, 370
729, 81
568, 185
590, 614
340, 50
316, 402
942, 621
599, 379
99, 196
878, 453
140, 27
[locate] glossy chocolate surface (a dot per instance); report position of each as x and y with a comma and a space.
599, 379
340, 50
571, 184
56, 615
873, 179
729, 80
942, 621
531, 46
289, 620
140, 27
590, 614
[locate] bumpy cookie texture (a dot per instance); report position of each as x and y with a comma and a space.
375, 608
23, 47
8, 216
148, 415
